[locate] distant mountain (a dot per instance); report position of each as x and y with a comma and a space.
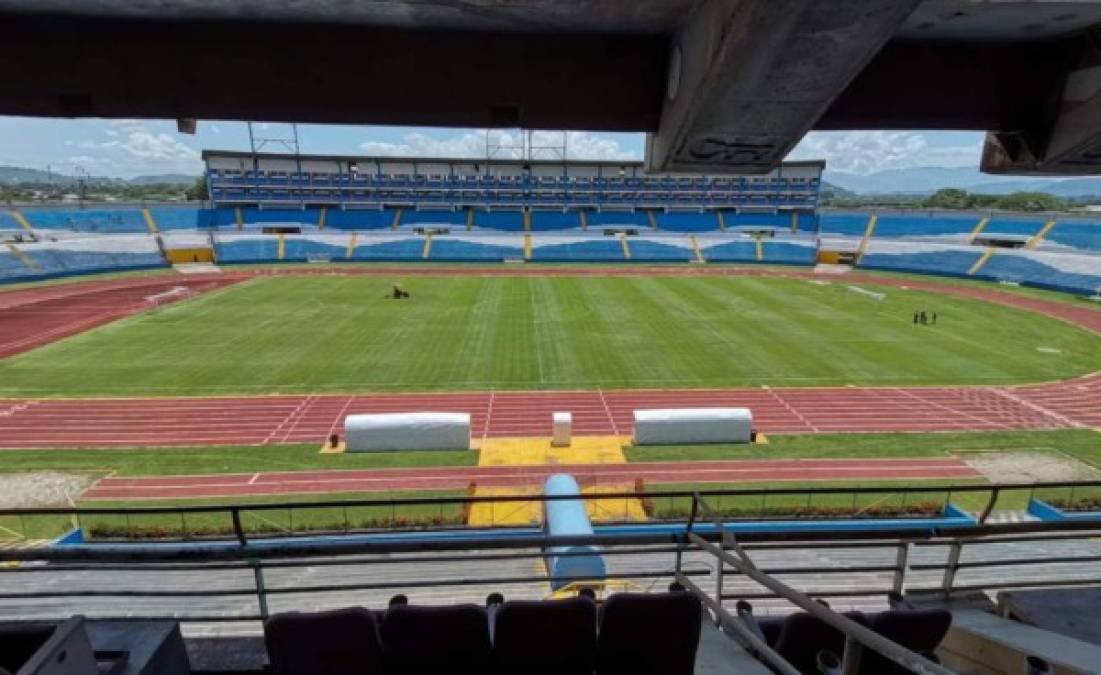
14, 175
929, 179
165, 178
836, 191
917, 180
1061, 187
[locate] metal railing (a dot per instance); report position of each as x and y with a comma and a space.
857, 636
733, 558
239, 579
297, 518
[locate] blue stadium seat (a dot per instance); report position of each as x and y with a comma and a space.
669, 249
441, 217
99, 220
725, 249
777, 220
923, 225
1084, 235
594, 248
617, 219
176, 218
687, 222
931, 257
303, 247
487, 248
789, 252
246, 248
359, 219
385, 248
1016, 226
77, 255
852, 224
1070, 272
554, 220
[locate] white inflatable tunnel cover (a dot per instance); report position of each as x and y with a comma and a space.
407, 431
693, 425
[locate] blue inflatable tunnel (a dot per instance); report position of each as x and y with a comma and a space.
567, 517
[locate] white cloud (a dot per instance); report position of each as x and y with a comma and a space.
579, 145
865, 152
86, 159
139, 149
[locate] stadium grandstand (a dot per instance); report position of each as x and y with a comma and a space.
289, 208
525, 414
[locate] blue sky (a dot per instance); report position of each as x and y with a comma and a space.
129, 148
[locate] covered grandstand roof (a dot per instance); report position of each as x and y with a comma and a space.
208, 154
722, 86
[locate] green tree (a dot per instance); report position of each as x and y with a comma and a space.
948, 198
197, 191
1030, 201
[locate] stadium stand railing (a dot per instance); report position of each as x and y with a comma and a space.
255, 577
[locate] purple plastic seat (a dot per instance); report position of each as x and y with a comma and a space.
648, 634
421, 639
340, 642
919, 630
552, 637
802, 636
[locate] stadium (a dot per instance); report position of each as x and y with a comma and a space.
364, 413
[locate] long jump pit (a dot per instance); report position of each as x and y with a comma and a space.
33, 317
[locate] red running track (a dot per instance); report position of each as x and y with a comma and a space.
33, 317
103, 423
458, 478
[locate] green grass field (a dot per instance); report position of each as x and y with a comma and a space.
336, 334
1082, 444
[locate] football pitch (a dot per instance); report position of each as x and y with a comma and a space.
344, 334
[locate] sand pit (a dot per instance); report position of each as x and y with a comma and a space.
42, 488
1030, 467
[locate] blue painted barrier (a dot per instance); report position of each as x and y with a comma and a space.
1049, 513
953, 517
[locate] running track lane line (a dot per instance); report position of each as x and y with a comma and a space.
793, 411
1060, 420
230, 421
456, 477
339, 416
608, 412
952, 411
477, 471
298, 416
288, 417
489, 415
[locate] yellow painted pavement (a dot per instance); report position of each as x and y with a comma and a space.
540, 452
535, 451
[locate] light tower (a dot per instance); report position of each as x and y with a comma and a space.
526, 144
